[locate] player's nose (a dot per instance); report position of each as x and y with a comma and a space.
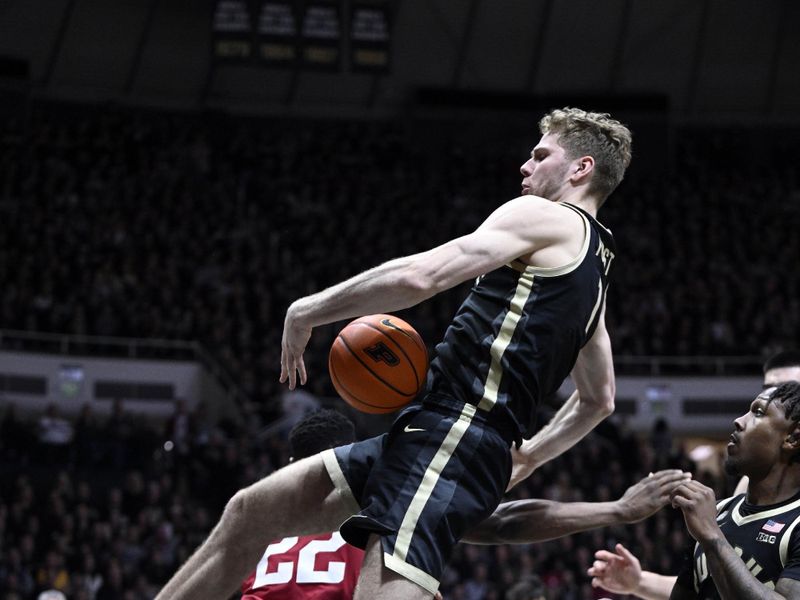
526, 169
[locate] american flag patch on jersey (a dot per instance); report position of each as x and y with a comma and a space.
773, 526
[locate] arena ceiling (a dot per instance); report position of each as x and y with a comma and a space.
711, 59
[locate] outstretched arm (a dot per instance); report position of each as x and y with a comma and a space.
621, 573
528, 521
517, 228
592, 402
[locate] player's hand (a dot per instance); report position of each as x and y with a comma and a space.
618, 572
699, 507
294, 342
650, 494
522, 465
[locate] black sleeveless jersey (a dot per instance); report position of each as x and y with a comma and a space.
767, 538
517, 335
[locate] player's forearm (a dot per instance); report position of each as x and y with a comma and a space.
571, 423
732, 578
653, 586
529, 521
394, 285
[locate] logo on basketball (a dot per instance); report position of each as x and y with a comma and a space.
378, 363
381, 353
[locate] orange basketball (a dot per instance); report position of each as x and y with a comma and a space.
378, 363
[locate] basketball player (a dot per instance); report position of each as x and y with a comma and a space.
621, 572
318, 567
536, 313
748, 546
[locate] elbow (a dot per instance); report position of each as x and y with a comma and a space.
419, 282
602, 401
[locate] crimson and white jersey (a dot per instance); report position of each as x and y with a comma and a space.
312, 567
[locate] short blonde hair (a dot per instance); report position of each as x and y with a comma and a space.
583, 133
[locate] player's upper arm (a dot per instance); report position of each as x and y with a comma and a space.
519, 227
593, 373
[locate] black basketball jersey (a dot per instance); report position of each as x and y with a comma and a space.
518, 333
767, 538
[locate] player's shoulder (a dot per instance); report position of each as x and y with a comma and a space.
535, 210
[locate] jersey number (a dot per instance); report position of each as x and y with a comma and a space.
305, 563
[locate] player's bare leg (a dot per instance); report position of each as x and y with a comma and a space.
296, 500
376, 582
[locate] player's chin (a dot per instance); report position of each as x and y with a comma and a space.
731, 466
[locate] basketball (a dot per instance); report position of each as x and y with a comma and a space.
378, 363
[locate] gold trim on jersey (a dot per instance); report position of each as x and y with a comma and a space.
429, 480
563, 269
743, 520
412, 573
491, 387
339, 480
784, 546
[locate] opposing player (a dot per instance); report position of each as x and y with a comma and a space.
620, 571
748, 546
314, 567
535, 314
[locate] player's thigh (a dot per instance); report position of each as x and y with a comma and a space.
299, 499
376, 582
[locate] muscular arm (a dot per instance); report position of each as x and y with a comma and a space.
528, 521
592, 402
517, 228
730, 574
733, 579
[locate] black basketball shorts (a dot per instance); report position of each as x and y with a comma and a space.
436, 474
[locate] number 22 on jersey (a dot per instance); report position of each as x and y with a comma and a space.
300, 565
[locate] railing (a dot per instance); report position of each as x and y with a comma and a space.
688, 365
120, 347
135, 348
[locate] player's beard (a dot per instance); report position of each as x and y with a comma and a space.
731, 466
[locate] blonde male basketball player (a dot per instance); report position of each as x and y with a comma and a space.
535, 314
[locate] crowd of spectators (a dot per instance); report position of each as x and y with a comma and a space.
122, 222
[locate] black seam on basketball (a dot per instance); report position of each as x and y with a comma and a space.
374, 374
399, 347
414, 338
356, 398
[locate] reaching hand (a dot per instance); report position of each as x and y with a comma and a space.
699, 507
619, 573
650, 494
294, 342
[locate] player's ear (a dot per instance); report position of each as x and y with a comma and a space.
792, 441
581, 169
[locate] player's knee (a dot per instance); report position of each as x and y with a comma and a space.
235, 511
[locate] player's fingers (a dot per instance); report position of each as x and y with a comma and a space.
668, 482
605, 555
284, 371
598, 569
301, 368
291, 365
625, 553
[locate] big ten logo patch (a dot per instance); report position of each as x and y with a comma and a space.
765, 537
